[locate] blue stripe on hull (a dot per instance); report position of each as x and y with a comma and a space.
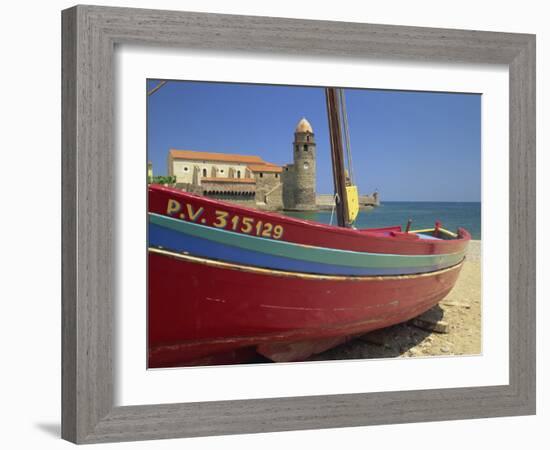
168, 239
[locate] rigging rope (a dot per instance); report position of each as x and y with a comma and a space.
333, 207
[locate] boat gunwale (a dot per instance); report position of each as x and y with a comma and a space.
462, 235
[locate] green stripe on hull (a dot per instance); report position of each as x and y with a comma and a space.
303, 252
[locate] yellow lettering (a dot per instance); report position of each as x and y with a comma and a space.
221, 219
173, 207
193, 215
235, 222
267, 230
278, 232
247, 225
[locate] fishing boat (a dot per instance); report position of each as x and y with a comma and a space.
228, 283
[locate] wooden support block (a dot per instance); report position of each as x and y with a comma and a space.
439, 326
462, 305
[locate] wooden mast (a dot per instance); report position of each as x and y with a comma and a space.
337, 154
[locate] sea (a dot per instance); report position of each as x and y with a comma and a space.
423, 214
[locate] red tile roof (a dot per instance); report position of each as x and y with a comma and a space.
267, 167
254, 163
221, 157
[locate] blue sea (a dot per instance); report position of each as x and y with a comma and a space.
423, 214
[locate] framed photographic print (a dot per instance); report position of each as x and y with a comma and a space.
277, 224
307, 287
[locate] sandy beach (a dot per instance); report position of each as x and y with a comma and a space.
457, 318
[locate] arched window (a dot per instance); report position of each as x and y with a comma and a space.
305, 148
238, 174
203, 172
307, 138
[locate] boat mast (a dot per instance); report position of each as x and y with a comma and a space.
337, 154
157, 87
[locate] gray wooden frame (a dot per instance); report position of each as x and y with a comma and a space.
89, 37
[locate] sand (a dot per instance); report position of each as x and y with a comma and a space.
461, 310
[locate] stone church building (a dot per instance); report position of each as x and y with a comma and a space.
250, 180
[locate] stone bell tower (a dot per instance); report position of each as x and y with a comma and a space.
304, 167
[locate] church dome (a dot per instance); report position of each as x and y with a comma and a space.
304, 126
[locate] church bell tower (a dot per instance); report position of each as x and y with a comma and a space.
304, 167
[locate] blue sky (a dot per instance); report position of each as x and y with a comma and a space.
411, 146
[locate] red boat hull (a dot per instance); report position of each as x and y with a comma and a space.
235, 218
209, 312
